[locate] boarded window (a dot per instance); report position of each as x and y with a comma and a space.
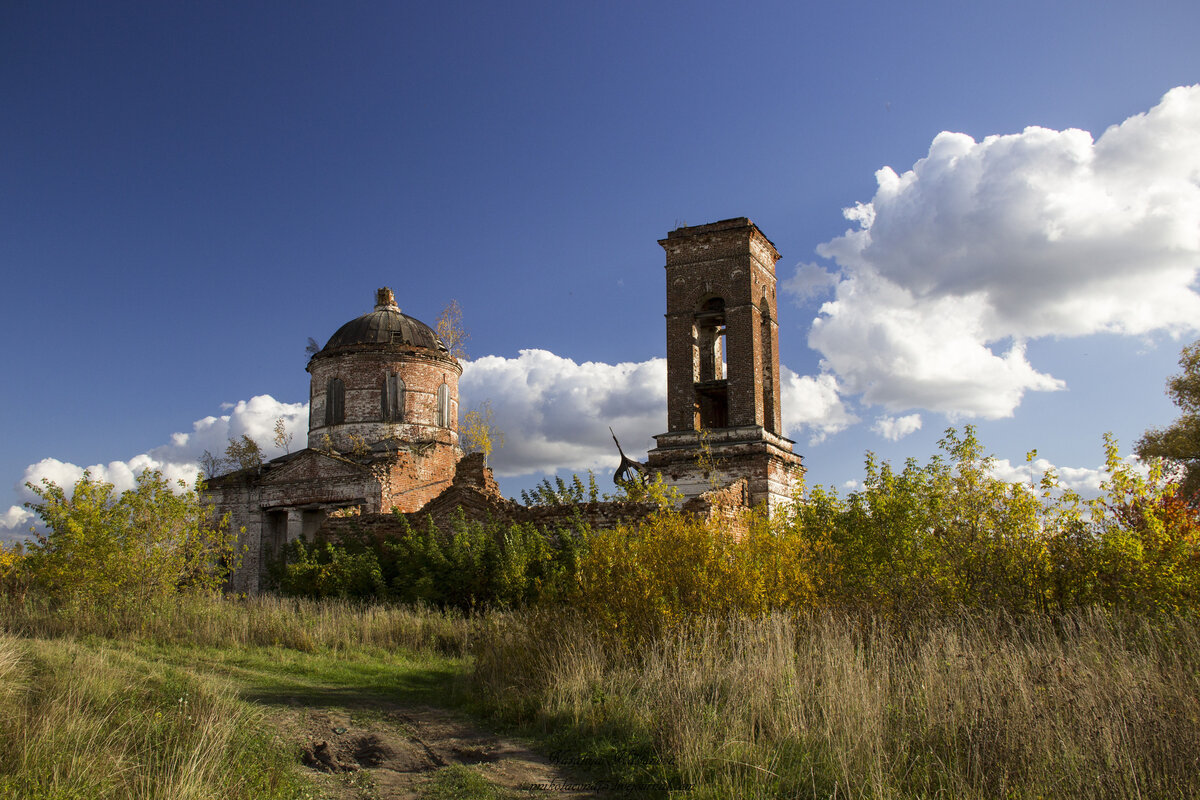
393, 398
335, 402
443, 406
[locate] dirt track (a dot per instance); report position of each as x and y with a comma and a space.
386, 752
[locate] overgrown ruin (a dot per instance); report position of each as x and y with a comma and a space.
383, 444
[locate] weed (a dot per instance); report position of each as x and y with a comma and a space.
458, 782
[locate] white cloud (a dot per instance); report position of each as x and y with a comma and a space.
1084, 480
14, 524
555, 413
254, 417
179, 459
983, 245
896, 428
812, 402
809, 280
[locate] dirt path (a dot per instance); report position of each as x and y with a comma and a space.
387, 752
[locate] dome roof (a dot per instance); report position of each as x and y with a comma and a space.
385, 325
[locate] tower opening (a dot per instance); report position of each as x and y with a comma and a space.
711, 385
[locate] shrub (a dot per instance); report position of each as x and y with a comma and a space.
151, 541
472, 565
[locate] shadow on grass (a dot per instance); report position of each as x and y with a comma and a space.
436, 687
274, 677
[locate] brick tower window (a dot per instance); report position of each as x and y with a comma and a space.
393, 398
769, 359
710, 340
712, 388
335, 402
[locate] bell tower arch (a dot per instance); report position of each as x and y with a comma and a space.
723, 363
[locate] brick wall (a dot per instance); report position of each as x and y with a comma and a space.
734, 261
363, 373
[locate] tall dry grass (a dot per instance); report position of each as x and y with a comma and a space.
828, 705
85, 715
305, 625
77, 726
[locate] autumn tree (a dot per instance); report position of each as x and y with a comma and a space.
243, 453
12, 572
478, 431
1180, 441
211, 465
154, 540
283, 439
450, 329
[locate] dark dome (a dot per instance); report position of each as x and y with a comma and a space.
386, 325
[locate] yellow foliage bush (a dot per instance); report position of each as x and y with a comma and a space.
942, 536
637, 580
13, 579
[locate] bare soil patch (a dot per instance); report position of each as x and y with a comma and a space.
385, 751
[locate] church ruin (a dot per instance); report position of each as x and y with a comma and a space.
383, 441
723, 412
382, 435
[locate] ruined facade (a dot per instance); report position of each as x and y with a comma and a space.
383, 445
383, 435
723, 412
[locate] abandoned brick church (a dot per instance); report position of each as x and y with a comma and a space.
383, 414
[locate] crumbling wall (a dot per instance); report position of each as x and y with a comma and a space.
475, 495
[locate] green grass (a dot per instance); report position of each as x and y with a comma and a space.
93, 720
274, 676
458, 782
182, 703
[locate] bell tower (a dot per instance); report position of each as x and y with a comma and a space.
723, 412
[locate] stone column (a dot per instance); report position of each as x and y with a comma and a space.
295, 524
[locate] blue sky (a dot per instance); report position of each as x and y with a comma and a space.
188, 193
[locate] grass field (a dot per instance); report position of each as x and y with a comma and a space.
195, 700
827, 705
184, 702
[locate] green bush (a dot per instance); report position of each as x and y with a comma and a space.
472, 565
944, 535
153, 541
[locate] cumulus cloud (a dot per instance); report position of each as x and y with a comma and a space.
1084, 480
178, 459
896, 428
813, 403
981, 246
14, 521
808, 281
555, 413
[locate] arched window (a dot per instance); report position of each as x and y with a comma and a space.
710, 340
393, 398
335, 402
712, 388
769, 358
443, 406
